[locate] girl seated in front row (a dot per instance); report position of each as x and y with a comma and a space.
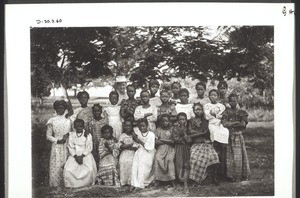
108, 153
80, 169
143, 158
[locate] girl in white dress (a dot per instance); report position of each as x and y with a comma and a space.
58, 128
184, 105
218, 133
113, 114
80, 169
143, 159
146, 111
127, 149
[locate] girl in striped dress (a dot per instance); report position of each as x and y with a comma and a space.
237, 159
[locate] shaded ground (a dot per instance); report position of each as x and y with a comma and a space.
259, 139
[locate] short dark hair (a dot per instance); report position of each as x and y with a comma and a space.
78, 121
184, 90
232, 95
142, 120
203, 84
222, 83
131, 85
175, 82
197, 104
214, 90
105, 127
144, 91
79, 95
113, 93
181, 114
153, 82
97, 105
60, 102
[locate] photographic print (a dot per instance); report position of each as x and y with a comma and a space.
235, 61
155, 109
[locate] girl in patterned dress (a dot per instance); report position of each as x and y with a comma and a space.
163, 166
237, 159
128, 106
80, 169
83, 112
203, 154
127, 149
58, 128
94, 128
108, 153
113, 114
182, 150
146, 111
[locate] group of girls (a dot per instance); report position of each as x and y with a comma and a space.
156, 139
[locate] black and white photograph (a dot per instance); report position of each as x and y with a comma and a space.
145, 110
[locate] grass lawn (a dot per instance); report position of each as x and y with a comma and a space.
259, 138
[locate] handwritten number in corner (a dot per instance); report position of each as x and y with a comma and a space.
285, 11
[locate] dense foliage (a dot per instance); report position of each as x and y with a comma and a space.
70, 56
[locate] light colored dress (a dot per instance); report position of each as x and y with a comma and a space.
143, 160
155, 101
114, 119
202, 101
126, 158
217, 131
140, 112
185, 108
108, 172
57, 126
164, 167
79, 175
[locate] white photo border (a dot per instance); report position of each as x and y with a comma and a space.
19, 18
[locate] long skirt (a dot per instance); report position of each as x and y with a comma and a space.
203, 155
58, 158
221, 149
237, 158
182, 161
126, 159
141, 168
79, 175
164, 168
108, 175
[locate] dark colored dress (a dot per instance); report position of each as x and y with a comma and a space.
164, 168
128, 107
237, 158
94, 128
182, 152
202, 151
